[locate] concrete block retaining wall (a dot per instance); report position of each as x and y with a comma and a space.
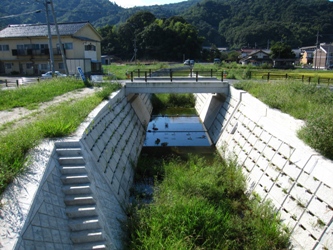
112, 144
114, 139
278, 166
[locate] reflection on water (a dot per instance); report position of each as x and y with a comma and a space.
175, 131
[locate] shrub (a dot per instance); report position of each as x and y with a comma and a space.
319, 130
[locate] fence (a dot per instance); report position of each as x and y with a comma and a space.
304, 78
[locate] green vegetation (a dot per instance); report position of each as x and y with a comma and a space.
161, 102
308, 102
227, 23
159, 39
201, 205
56, 121
122, 71
32, 95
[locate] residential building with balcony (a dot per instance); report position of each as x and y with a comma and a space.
24, 48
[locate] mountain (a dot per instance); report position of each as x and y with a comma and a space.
258, 23
230, 23
98, 12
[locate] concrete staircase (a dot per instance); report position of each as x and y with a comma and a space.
81, 209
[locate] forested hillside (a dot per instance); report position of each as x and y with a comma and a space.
256, 23
230, 23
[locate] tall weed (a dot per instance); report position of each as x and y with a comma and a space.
202, 205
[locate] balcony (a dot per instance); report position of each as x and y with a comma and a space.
34, 52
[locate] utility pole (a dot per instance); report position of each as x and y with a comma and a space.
59, 39
317, 47
135, 50
49, 36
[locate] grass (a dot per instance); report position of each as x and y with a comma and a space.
56, 121
161, 102
232, 70
31, 95
201, 205
120, 70
308, 102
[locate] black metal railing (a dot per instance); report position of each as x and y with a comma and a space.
173, 74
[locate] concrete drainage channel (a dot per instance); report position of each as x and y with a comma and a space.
79, 197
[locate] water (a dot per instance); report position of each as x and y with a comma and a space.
176, 131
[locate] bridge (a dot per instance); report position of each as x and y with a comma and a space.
176, 85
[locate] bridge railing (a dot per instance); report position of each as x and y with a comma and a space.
173, 74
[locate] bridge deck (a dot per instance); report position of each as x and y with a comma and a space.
176, 85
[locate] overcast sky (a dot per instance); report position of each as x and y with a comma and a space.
132, 3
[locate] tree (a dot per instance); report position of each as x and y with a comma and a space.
281, 50
110, 43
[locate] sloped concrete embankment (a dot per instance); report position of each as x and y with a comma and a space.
111, 146
75, 194
278, 166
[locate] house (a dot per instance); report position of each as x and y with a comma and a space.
323, 56
318, 57
24, 48
306, 57
256, 57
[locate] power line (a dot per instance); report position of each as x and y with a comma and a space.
26, 13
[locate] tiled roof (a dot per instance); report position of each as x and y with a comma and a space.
36, 30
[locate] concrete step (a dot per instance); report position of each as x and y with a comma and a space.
75, 179
71, 161
92, 235
88, 246
81, 211
76, 200
84, 223
67, 144
67, 170
69, 152
77, 189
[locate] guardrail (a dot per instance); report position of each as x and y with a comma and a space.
173, 74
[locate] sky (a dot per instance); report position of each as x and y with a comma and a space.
133, 3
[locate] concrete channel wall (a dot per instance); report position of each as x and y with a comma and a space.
113, 140
277, 165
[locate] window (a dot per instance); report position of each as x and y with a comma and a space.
44, 66
89, 47
28, 46
44, 46
35, 46
4, 47
68, 46
61, 66
29, 66
8, 65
